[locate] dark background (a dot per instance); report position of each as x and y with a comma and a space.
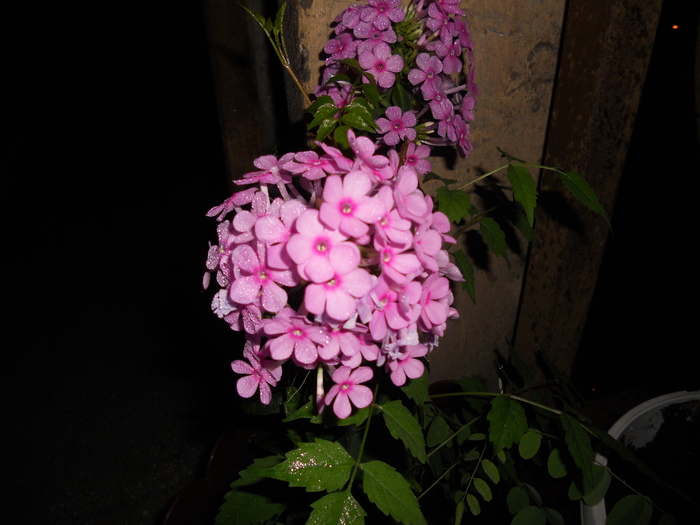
116, 375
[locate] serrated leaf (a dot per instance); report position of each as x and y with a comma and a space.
438, 431
517, 499
493, 236
508, 422
631, 509
372, 93
340, 136
473, 504
322, 465
323, 112
524, 190
530, 516
555, 464
580, 189
325, 128
391, 493
338, 507
483, 489
579, 446
491, 470
529, 444
402, 425
245, 507
358, 121
467, 269
456, 204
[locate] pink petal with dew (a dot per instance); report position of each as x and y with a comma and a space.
247, 385
270, 229
360, 395
315, 298
274, 298
344, 258
244, 290
281, 347
243, 221
317, 269
245, 258
342, 407
358, 282
353, 227
241, 367
339, 304
305, 351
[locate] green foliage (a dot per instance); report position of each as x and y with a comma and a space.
390, 491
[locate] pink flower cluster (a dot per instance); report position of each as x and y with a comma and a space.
420, 48
334, 261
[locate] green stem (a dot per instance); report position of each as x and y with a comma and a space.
356, 467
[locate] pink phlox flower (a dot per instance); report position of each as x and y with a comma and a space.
381, 13
276, 226
443, 111
256, 377
244, 221
409, 198
451, 7
427, 242
450, 51
347, 207
340, 162
397, 125
271, 171
459, 29
251, 316
377, 166
438, 18
391, 225
435, 301
396, 264
348, 390
340, 92
342, 343
466, 109
239, 198
342, 47
447, 267
320, 252
257, 282
371, 36
292, 335
348, 18
337, 297
417, 158
387, 312
427, 74
310, 165
381, 64
408, 365
464, 144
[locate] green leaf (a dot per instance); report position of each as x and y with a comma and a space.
524, 190
372, 93
338, 507
493, 236
438, 432
459, 512
456, 204
483, 489
507, 421
391, 493
402, 425
579, 446
631, 509
473, 504
245, 507
555, 464
323, 112
340, 136
325, 128
400, 97
601, 483
530, 516
580, 189
467, 268
357, 121
322, 465
417, 389
529, 444
517, 499
491, 470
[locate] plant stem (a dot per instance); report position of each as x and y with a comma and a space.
364, 438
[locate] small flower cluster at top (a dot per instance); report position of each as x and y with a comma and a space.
334, 259
418, 50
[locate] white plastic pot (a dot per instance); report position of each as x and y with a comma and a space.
637, 428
